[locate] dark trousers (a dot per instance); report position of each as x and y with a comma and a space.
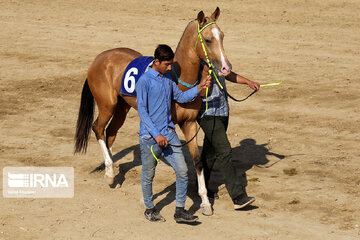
217, 148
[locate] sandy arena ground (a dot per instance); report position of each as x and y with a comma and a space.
313, 118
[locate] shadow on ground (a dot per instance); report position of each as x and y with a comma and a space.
245, 156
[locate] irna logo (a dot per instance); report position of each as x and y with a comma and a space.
34, 180
38, 182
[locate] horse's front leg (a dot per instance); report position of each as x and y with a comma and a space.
189, 129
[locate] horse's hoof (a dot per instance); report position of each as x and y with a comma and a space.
115, 185
206, 210
109, 174
109, 180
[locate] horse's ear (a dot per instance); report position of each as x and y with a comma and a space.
216, 14
201, 18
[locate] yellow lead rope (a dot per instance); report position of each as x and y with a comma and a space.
271, 84
206, 108
158, 161
210, 72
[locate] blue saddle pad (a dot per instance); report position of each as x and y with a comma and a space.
132, 74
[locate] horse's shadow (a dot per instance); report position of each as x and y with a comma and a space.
244, 157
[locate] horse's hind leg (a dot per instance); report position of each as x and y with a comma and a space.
189, 129
106, 108
121, 110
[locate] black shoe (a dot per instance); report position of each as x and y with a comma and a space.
181, 215
153, 215
243, 201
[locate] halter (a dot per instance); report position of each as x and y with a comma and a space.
203, 45
206, 56
211, 68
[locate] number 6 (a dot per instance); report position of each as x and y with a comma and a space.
131, 79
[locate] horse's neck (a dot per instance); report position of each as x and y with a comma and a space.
189, 68
186, 56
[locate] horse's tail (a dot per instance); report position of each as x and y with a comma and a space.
85, 119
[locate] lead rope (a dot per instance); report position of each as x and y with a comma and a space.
206, 92
211, 71
181, 145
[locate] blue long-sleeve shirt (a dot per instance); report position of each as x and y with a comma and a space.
154, 95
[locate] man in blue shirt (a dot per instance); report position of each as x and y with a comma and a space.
155, 90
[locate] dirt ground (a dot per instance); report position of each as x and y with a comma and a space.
313, 118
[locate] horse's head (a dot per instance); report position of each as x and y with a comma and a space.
210, 42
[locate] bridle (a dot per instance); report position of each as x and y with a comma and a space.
211, 72
211, 66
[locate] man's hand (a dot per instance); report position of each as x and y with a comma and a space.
253, 85
236, 78
204, 83
161, 140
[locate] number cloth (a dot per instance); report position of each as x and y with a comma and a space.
132, 73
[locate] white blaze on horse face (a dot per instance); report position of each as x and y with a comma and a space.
225, 69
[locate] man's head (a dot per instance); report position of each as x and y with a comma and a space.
164, 57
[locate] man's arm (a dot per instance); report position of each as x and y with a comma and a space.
236, 78
191, 94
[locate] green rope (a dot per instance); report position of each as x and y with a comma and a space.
210, 71
158, 161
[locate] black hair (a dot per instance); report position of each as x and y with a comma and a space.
163, 53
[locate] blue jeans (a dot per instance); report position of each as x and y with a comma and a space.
175, 158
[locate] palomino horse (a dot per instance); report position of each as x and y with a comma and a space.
104, 81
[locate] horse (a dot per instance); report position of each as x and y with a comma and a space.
104, 81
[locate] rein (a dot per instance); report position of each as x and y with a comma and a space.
211, 72
211, 66
191, 85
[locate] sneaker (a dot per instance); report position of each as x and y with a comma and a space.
243, 201
153, 215
181, 215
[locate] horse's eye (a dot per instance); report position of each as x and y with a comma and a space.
207, 41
